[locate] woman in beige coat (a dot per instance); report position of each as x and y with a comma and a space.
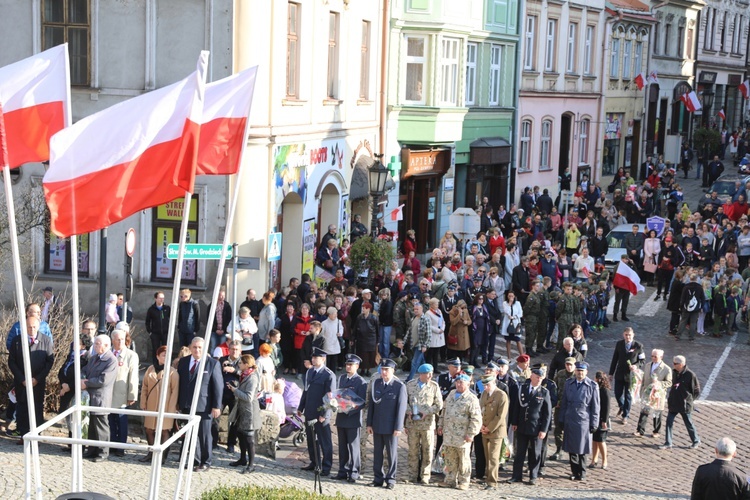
150, 396
460, 322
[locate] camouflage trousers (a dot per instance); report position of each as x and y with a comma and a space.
532, 330
558, 430
421, 445
457, 465
562, 331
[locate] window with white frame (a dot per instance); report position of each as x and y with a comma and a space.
708, 35
740, 30
333, 55
680, 41
570, 65
627, 48
292, 49
416, 67
449, 72
529, 39
583, 141
471, 74
525, 146
735, 33
667, 39
588, 51
637, 57
544, 150
656, 38
364, 62
68, 21
723, 34
549, 53
496, 60
614, 64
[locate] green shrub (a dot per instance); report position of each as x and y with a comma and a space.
260, 493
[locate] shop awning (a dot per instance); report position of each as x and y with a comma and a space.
359, 187
490, 150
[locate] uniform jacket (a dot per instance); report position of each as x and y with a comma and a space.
126, 378
387, 406
532, 415
532, 309
211, 390
246, 413
685, 389
41, 356
157, 320
720, 479
429, 402
151, 394
460, 417
494, 410
579, 413
353, 419
568, 309
100, 373
317, 385
623, 358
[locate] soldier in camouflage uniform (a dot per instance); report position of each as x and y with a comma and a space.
560, 378
532, 311
460, 421
399, 315
423, 393
567, 312
541, 336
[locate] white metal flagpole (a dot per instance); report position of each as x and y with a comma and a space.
20, 305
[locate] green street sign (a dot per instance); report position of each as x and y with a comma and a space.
203, 251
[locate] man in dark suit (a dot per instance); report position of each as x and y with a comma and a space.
348, 425
530, 421
41, 358
98, 378
221, 321
627, 357
319, 381
520, 280
209, 398
720, 479
385, 421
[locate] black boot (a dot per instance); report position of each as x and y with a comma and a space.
248, 469
241, 462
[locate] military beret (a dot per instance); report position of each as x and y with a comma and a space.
523, 358
463, 377
425, 368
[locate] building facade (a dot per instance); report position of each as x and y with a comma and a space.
120, 50
628, 27
451, 101
560, 103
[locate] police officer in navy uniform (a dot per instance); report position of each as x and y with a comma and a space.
551, 386
385, 421
530, 421
319, 381
348, 425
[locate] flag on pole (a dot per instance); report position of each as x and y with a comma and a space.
640, 81
691, 101
653, 77
35, 97
398, 213
722, 115
745, 89
627, 279
225, 114
132, 156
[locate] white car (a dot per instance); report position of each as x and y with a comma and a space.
616, 242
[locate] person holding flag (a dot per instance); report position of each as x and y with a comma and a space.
626, 281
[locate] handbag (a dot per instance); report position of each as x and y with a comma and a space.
512, 329
649, 267
452, 339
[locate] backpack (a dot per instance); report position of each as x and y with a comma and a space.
693, 303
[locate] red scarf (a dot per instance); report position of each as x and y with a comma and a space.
246, 373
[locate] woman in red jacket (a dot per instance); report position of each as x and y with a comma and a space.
301, 330
496, 241
409, 244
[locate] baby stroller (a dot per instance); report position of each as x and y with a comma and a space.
294, 426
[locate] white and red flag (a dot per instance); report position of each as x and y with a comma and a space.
35, 101
745, 89
132, 156
653, 77
691, 101
627, 279
398, 213
722, 115
225, 114
640, 81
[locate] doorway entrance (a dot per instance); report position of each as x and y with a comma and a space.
328, 210
419, 195
290, 225
566, 127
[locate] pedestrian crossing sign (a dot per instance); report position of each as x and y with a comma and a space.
274, 247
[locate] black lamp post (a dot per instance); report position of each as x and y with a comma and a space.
378, 174
708, 102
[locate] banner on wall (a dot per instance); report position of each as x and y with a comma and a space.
344, 226
613, 126
308, 247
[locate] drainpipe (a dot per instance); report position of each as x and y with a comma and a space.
383, 67
602, 80
516, 127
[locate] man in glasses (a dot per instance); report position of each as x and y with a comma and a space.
657, 379
685, 390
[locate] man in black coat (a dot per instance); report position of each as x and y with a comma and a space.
527, 201
348, 425
230, 372
685, 390
598, 245
157, 323
715, 169
530, 422
221, 321
520, 280
209, 398
720, 479
691, 304
319, 381
544, 202
568, 350
634, 246
627, 357
41, 358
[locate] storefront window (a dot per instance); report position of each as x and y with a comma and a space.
610, 155
167, 219
57, 254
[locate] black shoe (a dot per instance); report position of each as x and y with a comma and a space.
308, 467
91, 454
146, 458
555, 456
339, 477
513, 480
656, 299
615, 318
532, 481
376, 485
390, 486
238, 463
325, 473
625, 318
100, 458
248, 469
532, 353
351, 480
118, 453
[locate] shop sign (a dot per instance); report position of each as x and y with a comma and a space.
431, 162
707, 77
613, 126
308, 247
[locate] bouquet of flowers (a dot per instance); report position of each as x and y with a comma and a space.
636, 380
342, 400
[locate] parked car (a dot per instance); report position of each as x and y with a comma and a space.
725, 186
616, 242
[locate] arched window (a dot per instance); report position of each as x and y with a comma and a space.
524, 165
544, 152
583, 141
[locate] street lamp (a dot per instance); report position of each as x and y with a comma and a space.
378, 175
708, 101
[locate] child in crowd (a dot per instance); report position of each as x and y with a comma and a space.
733, 307
274, 337
720, 310
602, 301
706, 283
